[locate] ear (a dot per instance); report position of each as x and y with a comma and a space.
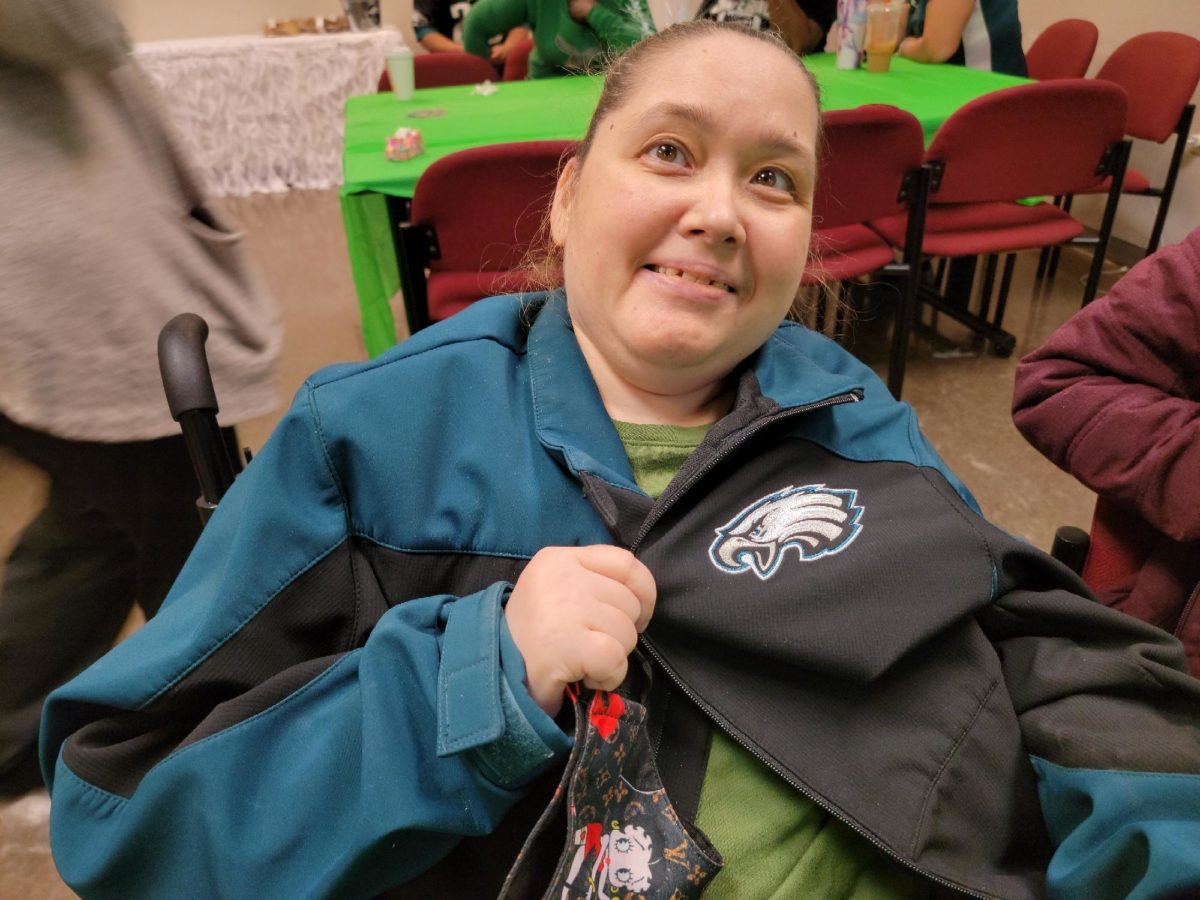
560, 209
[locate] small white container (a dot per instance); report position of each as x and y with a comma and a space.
400, 71
852, 32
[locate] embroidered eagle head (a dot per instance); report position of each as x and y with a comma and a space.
816, 520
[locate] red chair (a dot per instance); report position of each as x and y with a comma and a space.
1112, 552
1047, 138
444, 70
475, 214
516, 66
1159, 72
870, 167
1063, 50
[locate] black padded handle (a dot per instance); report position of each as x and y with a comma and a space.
1071, 547
184, 365
193, 402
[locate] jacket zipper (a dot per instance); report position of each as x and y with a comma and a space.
668, 500
852, 396
750, 748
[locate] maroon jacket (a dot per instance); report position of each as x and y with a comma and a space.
1113, 397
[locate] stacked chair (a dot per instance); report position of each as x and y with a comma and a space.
1159, 72
1045, 139
1064, 50
871, 166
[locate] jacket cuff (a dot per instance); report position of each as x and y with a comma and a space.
603, 21
483, 705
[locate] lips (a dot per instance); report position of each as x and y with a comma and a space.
691, 276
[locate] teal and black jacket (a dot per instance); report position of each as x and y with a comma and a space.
330, 705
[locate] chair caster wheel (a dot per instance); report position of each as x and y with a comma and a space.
1004, 349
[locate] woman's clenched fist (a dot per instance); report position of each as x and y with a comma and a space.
575, 615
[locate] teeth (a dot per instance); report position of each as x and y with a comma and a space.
688, 276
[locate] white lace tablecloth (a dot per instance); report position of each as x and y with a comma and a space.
266, 114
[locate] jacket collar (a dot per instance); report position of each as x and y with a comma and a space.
570, 417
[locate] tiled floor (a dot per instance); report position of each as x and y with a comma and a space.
296, 239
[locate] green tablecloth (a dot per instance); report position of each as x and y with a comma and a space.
552, 109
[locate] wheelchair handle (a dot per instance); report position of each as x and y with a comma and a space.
184, 365
188, 384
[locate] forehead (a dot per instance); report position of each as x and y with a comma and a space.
745, 81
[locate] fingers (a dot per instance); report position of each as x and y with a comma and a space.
622, 566
612, 622
615, 596
607, 662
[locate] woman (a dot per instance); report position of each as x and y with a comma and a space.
979, 34
850, 683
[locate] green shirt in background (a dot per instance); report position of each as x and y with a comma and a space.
560, 44
777, 844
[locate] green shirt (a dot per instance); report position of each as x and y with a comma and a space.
777, 844
561, 44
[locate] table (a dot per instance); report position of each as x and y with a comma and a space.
555, 109
265, 114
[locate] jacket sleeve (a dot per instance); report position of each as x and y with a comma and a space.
1111, 722
280, 728
58, 35
1113, 397
491, 17
618, 30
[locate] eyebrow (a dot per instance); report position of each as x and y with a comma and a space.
774, 140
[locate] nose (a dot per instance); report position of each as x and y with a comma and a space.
714, 212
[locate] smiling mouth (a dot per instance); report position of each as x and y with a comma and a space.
690, 277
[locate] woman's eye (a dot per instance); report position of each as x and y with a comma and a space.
668, 153
776, 179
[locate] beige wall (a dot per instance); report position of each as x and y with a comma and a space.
156, 20
1119, 20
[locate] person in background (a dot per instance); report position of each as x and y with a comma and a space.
979, 34
104, 236
803, 24
570, 36
629, 588
1113, 398
438, 26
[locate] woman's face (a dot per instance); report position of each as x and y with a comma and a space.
686, 229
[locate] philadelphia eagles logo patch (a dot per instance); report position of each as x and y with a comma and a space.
816, 520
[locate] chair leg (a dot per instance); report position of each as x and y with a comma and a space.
1010, 262
1044, 256
906, 313
1168, 189
960, 278
989, 281
1056, 252
1053, 268
1106, 223
1002, 342
939, 277
1043, 259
